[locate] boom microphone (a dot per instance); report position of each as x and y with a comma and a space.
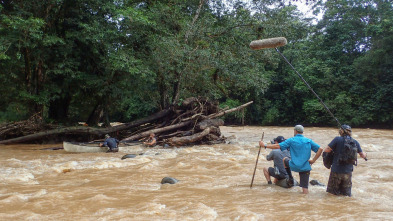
268, 43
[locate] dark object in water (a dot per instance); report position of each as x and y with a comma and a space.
52, 148
316, 183
169, 180
128, 156
284, 183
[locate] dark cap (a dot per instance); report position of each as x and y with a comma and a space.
346, 129
279, 139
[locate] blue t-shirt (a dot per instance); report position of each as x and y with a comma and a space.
111, 143
337, 146
300, 148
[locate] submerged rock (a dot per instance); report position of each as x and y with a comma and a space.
128, 156
169, 180
316, 183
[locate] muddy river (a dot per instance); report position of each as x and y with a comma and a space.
214, 182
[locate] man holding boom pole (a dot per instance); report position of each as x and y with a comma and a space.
300, 148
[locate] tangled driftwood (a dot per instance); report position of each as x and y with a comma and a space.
193, 121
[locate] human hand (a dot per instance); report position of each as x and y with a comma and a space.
363, 155
261, 144
311, 162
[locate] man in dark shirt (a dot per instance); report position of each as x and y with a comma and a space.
112, 143
278, 171
340, 179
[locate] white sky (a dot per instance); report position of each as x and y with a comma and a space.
306, 9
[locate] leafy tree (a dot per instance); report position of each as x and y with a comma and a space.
340, 39
374, 70
121, 60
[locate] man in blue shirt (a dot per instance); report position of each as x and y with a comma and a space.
300, 148
111, 143
340, 178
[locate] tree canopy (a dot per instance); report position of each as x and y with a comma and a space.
95, 60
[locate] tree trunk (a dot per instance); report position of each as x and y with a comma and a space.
181, 141
209, 123
158, 130
58, 109
107, 122
87, 130
95, 116
222, 113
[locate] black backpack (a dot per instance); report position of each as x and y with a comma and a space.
350, 152
328, 159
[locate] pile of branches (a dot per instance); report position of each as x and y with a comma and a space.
21, 128
191, 122
194, 121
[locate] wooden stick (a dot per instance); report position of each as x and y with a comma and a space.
256, 163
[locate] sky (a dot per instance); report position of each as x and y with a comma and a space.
306, 9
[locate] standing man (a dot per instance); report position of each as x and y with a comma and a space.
340, 178
112, 143
278, 171
300, 148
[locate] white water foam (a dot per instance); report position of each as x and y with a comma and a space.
17, 175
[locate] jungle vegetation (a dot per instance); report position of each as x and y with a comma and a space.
119, 60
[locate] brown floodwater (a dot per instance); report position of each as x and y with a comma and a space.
214, 182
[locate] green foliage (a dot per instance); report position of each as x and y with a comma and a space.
272, 116
134, 58
234, 117
13, 112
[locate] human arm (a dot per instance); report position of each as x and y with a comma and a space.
363, 155
152, 142
269, 156
318, 151
327, 149
317, 155
360, 152
104, 144
270, 146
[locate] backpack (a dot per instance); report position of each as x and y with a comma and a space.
349, 153
327, 159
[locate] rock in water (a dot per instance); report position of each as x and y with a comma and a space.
284, 183
128, 156
316, 183
169, 180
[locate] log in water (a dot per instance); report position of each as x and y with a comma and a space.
215, 182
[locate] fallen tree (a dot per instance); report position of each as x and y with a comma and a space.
191, 122
180, 141
78, 130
